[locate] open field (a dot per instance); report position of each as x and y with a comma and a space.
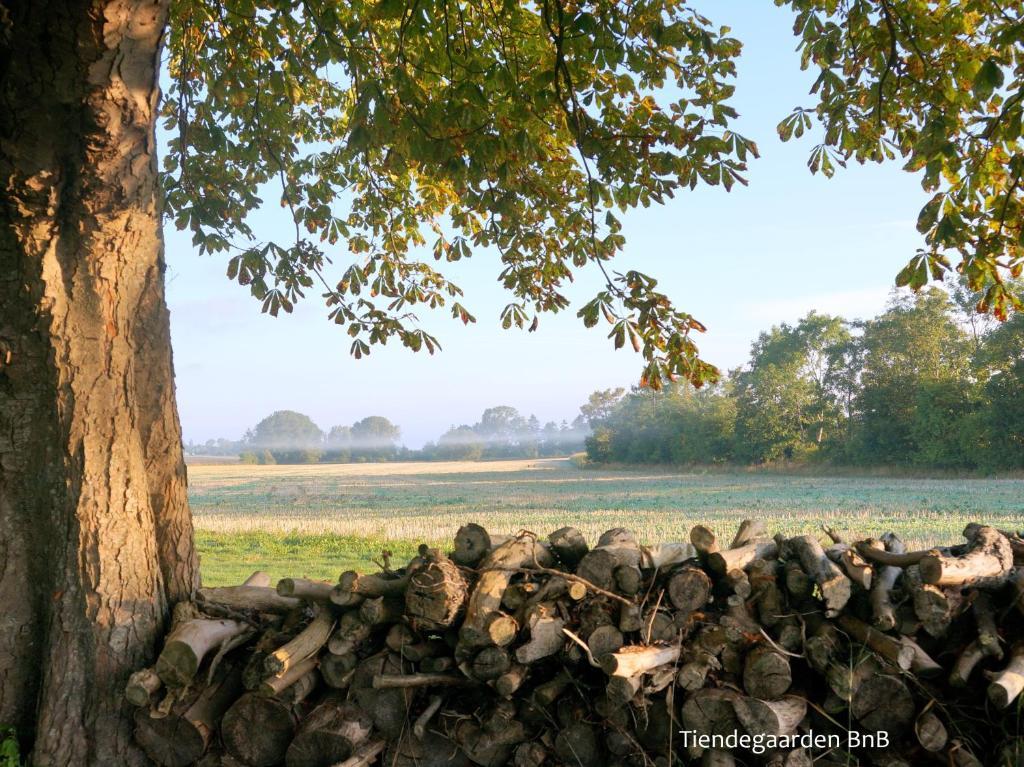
318, 520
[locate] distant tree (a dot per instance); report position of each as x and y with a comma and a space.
338, 445
914, 344
502, 423
601, 404
287, 429
999, 426
460, 443
339, 436
677, 425
375, 438
788, 394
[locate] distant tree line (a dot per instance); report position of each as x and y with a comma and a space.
928, 383
287, 436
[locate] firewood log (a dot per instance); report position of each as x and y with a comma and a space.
689, 589
286, 678
257, 730
856, 568
182, 736
883, 703
1007, 684
740, 558
436, 595
366, 754
766, 673
884, 582
432, 750
638, 659
604, 640
303, 588
337, 669
379, 611
703, 539
256, 598
305, 644
833, 584
749, 530
141, 687
350, 634
770, 717
490, 663
472, 542
989, 560
510, 681
373, 585
887, 646
930, 732
484, 623
934, 607
665, 555
578, 746
711, 711
546, 637
188, 643
258, 578
569, 546
330, 733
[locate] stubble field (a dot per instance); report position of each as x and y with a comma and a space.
319, 520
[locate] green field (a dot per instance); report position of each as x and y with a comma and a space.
319, 520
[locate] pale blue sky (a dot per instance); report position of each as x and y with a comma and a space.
740, 262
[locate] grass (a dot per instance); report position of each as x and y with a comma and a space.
319, 520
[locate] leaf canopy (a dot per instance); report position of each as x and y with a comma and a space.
393, 129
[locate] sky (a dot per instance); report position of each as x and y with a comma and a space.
740, 262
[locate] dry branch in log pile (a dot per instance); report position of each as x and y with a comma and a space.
527, 651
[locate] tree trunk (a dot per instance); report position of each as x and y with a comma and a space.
95, 533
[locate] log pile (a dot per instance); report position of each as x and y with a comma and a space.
526, 651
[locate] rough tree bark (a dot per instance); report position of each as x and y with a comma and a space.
95, 533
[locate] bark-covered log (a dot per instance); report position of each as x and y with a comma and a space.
371, 586
889, 647
885, 579
638, 659
337, 669
766, 673
181, 736
432, 750
689, 589
1008, 683
255, 598
883, 703
284, 679
330, 733
711, 711
436, 595
569, 545
546, 637
989, 560
189, 643
834, 586
303, 588
749, 530
257, 730
770, 717
740, 558
578, 746
483, 614
472, 542
306, 643
141, 687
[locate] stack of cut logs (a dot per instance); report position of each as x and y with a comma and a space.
532, 651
